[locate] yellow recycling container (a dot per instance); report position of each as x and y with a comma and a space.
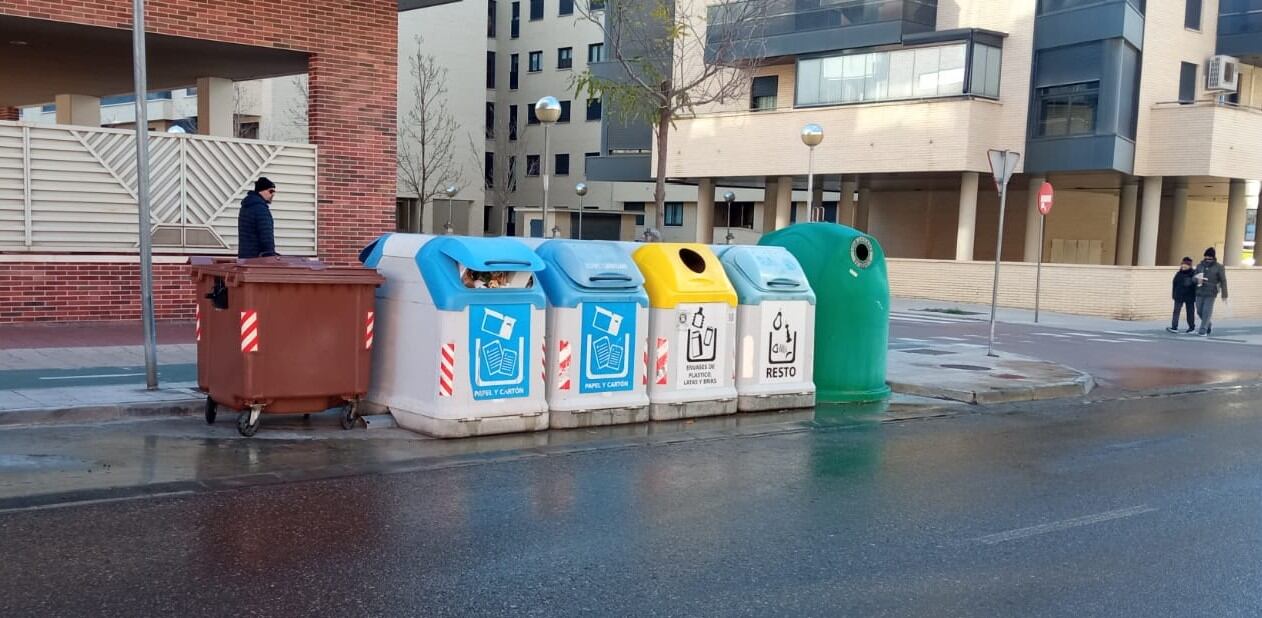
692, 331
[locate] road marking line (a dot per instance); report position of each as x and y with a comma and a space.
100, 375
1050, 335
96, 501
1064, 524
950, 338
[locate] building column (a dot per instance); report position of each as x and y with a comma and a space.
1237, 205
427, 218
966, 231
817, 199
475, 216
705, 211
777, 202
10, 113
1179, 222
1125, 254
79, 110
863, 210
1032, 219
1149, 221
847, 205
216, 105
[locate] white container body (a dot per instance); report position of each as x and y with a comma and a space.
691, 370
775, 355
596, 373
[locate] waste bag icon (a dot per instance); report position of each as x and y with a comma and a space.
702, 339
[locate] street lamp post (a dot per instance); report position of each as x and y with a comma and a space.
581, 190
140, 74
450, 192
548, 111
729, 197
812, 135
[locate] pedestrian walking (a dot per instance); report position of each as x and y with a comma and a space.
1211, 280
255, 229
1184, 295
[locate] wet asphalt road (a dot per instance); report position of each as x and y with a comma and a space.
1143, 507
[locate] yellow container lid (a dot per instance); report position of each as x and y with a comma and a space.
677, 273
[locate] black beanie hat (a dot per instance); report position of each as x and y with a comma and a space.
1211, 253
263, 184
1187, 260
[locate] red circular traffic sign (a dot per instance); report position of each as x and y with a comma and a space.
1045, 198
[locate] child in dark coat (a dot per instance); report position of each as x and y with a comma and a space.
1184, 295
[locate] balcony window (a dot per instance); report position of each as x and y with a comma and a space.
566, 7
565, 112
536, 10
562, 165
763, 91
511, 174
514, 26
488, 171
565, 57
596, 5
595, 53
535, 62
593, 109
923, 72
531, 118
1192, 15
490, 19
532, 165
1068, 110
490, 69
512, 72
490, 120
1187, 82
512, 123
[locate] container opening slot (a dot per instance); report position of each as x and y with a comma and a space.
496, 279
692, 260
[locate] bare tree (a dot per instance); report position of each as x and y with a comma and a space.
427, 132
671, 58
509, 161
295, 111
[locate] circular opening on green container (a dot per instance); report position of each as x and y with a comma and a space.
861, 252
692, 260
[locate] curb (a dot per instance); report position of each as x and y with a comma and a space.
97, 413
1078, 387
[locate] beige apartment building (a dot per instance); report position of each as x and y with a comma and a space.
1144, 117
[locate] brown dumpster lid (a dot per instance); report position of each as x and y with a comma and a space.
286, 269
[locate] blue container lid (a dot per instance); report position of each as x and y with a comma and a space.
765, 273
443, 260
581, 269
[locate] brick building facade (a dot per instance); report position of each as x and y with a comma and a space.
351, 49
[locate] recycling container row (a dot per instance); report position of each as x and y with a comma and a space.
493, 335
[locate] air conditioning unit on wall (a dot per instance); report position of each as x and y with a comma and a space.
1223, 74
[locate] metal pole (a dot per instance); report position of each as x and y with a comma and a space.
994, 291
1038, 269
447, 228
580, 217
729, 235
810, 185
543, 164
142, 193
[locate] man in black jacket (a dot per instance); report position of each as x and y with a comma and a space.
1184, 295
255, 231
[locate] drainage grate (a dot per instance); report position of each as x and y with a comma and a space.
928, 352
967, 367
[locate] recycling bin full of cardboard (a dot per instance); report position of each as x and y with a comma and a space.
460, 329
692, 327
775, 328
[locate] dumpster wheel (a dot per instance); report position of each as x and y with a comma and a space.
212, 410
248, 421
350, 414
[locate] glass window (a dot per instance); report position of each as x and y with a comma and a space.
532, 165
1187, 82
902, 64
512, 72
490, 69
985, 78
565, 57
512, 123
511, 175
854, 71
490, 120
565, 112
830, 74
490, 19
595, 53
1192, 15
535, 62
531, 118
1068, 110
674, 214
951, 71
763, 92
808, 82
488, 170
593, 109
925, 78
536, 10
876, 86
635, 207
567, 7
514, 29
562, 167
596, 5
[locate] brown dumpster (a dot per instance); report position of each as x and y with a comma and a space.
281, 335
